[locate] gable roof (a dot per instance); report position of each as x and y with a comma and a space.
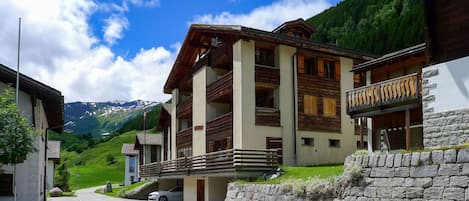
52, 99
149, 139
128, 149
53, 150
298, 23
200, 35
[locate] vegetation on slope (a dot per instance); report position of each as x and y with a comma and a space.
102, 163
371, 26
303, 173
73, 142
137, 122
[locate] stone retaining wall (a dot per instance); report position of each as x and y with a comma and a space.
268, 192
436, 175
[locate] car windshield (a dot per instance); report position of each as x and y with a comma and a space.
175, 189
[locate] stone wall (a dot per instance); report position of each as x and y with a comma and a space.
259, 192
446, 128
436, 175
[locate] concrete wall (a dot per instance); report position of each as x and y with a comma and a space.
128, 174
199, 110
215, 188
190, 188
446, 103
174, 122
50, 174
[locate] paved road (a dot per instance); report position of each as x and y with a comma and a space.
88, 195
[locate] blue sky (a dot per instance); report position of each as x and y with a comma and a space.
106, 50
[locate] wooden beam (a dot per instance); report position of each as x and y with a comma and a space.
385, 111
407, 129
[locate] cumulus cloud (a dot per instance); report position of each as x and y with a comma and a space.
113, 30
59, 49
267, 17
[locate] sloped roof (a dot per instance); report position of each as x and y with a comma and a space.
53, 149
149, 138
128, 149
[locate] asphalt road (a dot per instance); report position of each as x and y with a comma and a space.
87, 194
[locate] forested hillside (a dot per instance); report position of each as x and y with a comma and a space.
136, 123
371, 26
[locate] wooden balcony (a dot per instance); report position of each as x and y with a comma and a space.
184, 109
232, 161
383, 96
220, 58
221, 127
267, 117
184, 137
221, 90
267, 74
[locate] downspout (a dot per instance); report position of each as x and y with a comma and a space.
295, 112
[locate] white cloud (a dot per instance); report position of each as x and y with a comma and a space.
59, 49
113, 30
267, 17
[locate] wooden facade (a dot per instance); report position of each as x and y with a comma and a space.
220, 130
221, 90
184, 109
184, 142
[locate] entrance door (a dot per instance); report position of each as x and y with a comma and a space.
200, 190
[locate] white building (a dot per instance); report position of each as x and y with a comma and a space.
53, 158
42, 106
131, 164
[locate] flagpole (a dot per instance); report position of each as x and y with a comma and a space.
17, 88
144, 136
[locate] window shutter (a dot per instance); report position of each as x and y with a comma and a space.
301, 64
329, 107
310, 105
337, 70
320, 67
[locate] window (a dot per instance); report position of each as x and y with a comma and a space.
265, 56
185, 151
307, 141
310, 105
329, 69
311, 67
329, 107
6, 184
334, 143
131, 164
266, 97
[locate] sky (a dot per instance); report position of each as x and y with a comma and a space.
124, 49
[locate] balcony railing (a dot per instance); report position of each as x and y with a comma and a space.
184, 109
232, 160
220, 127
393, 92
219, 57
267, 116
267, 74
184, 137
222, 89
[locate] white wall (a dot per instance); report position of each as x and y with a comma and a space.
50, 174
199, 111
452, 85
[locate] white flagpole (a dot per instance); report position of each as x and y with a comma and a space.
17, 89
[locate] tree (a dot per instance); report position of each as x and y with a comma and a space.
62, 178
16, 135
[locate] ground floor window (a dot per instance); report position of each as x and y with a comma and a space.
6, 184
334, 143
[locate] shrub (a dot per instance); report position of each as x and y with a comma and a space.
110, 159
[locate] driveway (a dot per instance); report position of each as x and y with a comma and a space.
88, 194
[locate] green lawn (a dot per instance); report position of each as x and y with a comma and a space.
92, 168
116, 191
326, 171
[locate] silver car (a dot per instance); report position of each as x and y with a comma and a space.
173, 194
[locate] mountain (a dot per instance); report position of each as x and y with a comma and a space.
100, 118
371, 26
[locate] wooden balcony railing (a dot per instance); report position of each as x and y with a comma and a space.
221, 90
220, 127
219, 57
401, 90
267, 74
267, 116
184, 109
184, 137
232, 160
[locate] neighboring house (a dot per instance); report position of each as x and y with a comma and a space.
446, 80
244, 100
43, 108
148, 146
53, 158
131, 164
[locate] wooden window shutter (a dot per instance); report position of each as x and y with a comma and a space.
337, 70
310, 105
301, 64
320, 67
329, 107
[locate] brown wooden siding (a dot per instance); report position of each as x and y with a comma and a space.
267, 75
221, 90
184, 109
220, 128
267, 118
184, 137
320, 87
275, 143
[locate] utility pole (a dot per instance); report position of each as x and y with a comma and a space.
17, 90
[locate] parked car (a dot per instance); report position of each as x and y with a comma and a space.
173, 194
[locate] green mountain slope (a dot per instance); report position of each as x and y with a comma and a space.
371, 26
136, 123
99, 164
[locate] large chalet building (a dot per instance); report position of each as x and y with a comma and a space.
245, 100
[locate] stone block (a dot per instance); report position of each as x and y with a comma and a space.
408, 182
397, 160
423, 182
406, 158
437, 157
365, 160
395, 182
383, 192
441, 181
463, 156
370, 192
427, 99
358, 160
373, 162
467, 194
430, 73
362, 199
415, 159
449, 169
402, 172
382, 160
459, 181
381, 182
450, 156
425, 158
433, 193
465, 169
453, 193
413, 192
424, 171
356, 191
382, 172
398, 192
389, 160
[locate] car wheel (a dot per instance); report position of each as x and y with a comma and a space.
163, 199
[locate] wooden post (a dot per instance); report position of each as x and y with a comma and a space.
361, 133
407, 129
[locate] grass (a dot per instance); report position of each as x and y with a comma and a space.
326, 171
117, 191
90, 168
